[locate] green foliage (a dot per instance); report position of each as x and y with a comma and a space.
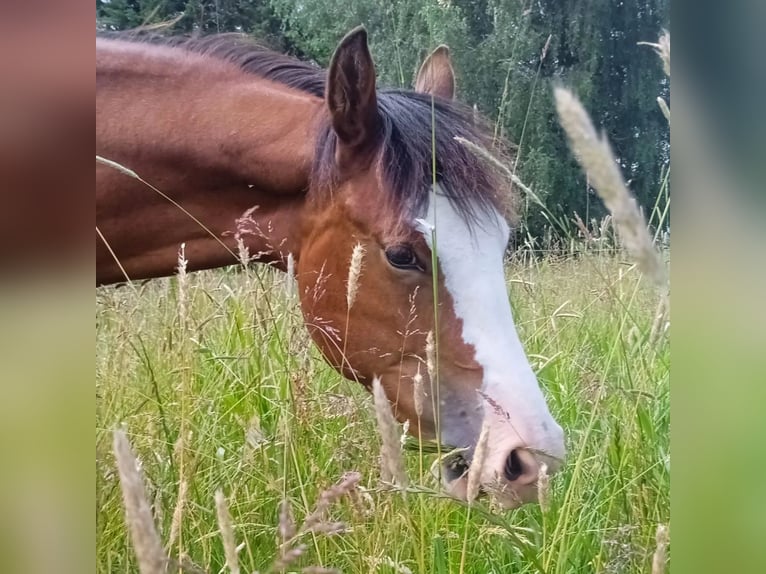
254, 17
503, 66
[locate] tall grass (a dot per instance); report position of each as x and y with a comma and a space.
268, 421
243, 433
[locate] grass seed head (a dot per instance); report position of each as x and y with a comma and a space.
392, 465
664, 108
418, 393
227, 532
663, 50
143, 532
290, 275
178, 512
597, 160
354, 271
182, 283
431, 357
543, 487
288, 557
330, 528
662, 47
477, 465
286, 521
346, 485
118, 166
243, 252
660, 558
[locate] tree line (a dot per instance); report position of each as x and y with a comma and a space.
507, 55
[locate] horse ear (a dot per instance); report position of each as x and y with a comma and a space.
436, 75
350, 92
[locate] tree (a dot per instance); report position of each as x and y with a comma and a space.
254, 17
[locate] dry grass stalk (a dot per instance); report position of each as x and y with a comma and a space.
596, 158
346, 485
180, 445
286, 522
362, 503
319, 570
176, 524
143, 532
187, 566
157, 507
543, 487
227, 532
418, 394
243, 252
160, 26
354, 271
477, 465
179, 453
660, 558
503, 169
391, 462
586, 234
288, 557
330, 528
352, 287
664, 108
398, 567
545, 48
118, 166
290, 275
315, 522
661, 321
663, 50
431, 357
182, 282
178, 512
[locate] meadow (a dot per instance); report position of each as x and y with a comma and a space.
217, 386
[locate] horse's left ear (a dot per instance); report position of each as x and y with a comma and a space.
350, 92
436, 75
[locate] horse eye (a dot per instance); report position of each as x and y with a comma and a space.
402, 257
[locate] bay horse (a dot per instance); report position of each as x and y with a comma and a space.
321, 162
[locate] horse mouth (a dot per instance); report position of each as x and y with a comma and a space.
454, 467
455, 471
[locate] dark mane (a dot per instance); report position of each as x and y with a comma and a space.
411, 124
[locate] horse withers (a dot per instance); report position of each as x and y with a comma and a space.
320, 163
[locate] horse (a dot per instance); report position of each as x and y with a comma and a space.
321, 164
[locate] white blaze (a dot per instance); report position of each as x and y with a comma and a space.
471, 260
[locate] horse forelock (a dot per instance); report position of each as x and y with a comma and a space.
415, 129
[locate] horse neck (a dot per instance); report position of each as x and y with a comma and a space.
235, 151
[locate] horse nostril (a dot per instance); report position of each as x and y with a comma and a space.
521, 467
513, 467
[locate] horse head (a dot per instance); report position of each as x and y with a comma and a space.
401, 271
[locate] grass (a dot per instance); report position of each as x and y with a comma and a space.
267, 420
